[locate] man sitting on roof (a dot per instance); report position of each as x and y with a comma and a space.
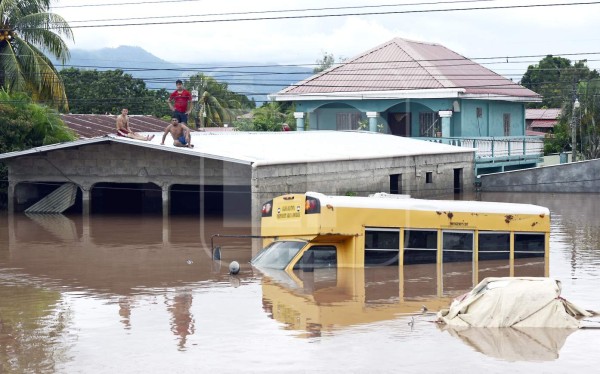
124, 130
180, 133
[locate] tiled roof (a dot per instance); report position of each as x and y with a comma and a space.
402, 64
542, 123
92, 125
549, 113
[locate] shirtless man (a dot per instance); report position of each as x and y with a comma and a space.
124, 130
179, 132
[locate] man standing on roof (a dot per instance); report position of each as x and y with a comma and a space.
180, 133
124, 130
180, 102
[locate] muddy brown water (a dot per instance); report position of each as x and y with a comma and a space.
122, 294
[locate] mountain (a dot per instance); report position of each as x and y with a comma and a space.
251, 79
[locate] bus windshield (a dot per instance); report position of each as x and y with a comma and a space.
278, 254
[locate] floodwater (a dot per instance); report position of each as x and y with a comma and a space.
117, 294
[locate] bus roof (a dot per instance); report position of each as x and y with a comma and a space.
386, 201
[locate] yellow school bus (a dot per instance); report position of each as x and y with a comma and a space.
313, 230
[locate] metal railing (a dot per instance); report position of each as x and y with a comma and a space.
494, 148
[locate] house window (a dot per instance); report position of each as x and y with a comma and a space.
506, 121
428, 123
429, 177
347, 121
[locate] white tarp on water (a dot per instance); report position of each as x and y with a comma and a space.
513, 302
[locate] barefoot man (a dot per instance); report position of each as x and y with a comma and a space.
124, 130
179, 132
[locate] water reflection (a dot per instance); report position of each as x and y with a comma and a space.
326, 300
147, 288
513, 344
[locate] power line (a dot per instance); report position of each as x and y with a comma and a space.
266, 11
341, 15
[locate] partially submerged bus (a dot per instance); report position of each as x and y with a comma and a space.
313, 230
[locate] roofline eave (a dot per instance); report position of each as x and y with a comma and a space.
436, 93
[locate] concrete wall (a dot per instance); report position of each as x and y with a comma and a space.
120, 163
363, 177
573, 177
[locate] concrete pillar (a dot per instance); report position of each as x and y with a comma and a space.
299, 116
165, 200
165, 213
11, 197
86, 200
86, 208
445, 116
372, 116
446, 127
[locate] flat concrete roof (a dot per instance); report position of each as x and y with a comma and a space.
272, 148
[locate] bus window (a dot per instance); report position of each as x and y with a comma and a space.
457, 246
420, 246
529, 245
278, 254
318, 257
382, 246
494, 246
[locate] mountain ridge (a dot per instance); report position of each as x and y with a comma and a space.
250, 79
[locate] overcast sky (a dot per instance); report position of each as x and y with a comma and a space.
472, 33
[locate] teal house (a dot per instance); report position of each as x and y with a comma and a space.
422, 90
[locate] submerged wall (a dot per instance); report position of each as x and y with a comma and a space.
572, 177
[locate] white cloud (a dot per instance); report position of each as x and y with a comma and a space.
509, 32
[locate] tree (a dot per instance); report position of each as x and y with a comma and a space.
589, 118
269, 117
324, 63
216, 104
24, 125
556, 80
100, 92
27, 30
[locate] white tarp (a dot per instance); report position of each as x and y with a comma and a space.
513, 302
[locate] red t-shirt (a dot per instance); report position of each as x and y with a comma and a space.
181, 100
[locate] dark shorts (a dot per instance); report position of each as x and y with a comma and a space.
181, 116
182, 140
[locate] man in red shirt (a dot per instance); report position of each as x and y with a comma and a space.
180, 103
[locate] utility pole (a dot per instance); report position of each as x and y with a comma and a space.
195, 104
574, 131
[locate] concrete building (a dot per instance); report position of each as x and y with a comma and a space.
422, 90
233, 173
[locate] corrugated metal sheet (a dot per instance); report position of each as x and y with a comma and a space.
549, 113
402, 64
93, 125
542, 123
57, 201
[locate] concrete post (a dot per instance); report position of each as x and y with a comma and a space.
165, 213
165, 200
11, 197
445, 116
372, 116
85, 200
299, 116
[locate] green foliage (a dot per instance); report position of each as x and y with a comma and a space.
270, 116
23, 125
556, 80
100, 92
29, 31
216, 104
561, 140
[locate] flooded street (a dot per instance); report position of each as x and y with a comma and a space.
121, 294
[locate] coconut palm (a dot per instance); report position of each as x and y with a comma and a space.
27, 31
216, 103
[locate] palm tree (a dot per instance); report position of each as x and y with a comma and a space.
216, 103
27, 32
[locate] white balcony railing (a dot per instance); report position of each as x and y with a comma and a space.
498, 148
